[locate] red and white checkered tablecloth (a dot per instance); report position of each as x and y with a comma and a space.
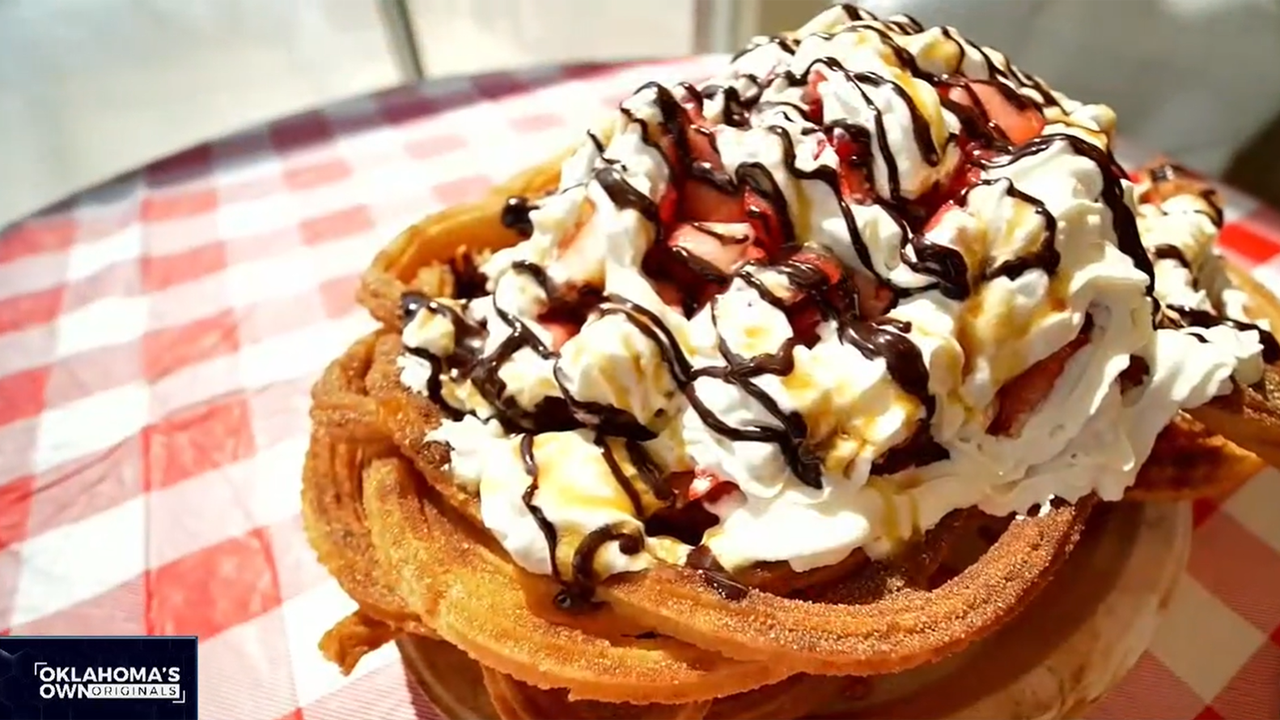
158, 336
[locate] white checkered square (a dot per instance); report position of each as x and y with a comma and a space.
81, 560
339, 258
248, 218
1208, 657
1269, 274
284, 275
86, 258
299, 354
1254, 506
244, 672
108, 321
306, 618
78, 429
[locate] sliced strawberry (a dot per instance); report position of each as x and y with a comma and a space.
874, 296
1024, 393
936, 218
708, 486
829, 266
1019, 122
704, 202
670, 294
942, 198
820, 146
805, 317
764, 220
561, 330
700, 199
668, 205
811, 98
848, 148
692, 104
854, 188
715, 245
702, 144
964, 177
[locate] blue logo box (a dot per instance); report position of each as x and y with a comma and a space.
98, 678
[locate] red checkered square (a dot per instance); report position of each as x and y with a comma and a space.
338, 295
499, 85
23, 394
405, 106
160, 272
1150, 690
295, 133
587, 71
431, 146
537, 122
30, 310
316, 174
176, 204
1239, 569
463, 189
168, 350
192, 164
1202, 510
1254, 692
198, 440
38, 235
215, 589
356, 118
1248, 242
337, 225
15, 510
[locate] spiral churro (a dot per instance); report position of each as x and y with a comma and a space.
689, 418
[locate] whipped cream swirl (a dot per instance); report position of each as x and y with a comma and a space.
871, 275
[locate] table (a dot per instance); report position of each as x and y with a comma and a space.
158, 336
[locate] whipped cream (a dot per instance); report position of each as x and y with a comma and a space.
574, 418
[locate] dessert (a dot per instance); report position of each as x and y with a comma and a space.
695, 415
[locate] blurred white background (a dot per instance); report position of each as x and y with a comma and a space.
93, 88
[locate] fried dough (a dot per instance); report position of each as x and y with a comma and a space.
407, 544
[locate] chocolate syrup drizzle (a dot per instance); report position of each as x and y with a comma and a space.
943, 268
